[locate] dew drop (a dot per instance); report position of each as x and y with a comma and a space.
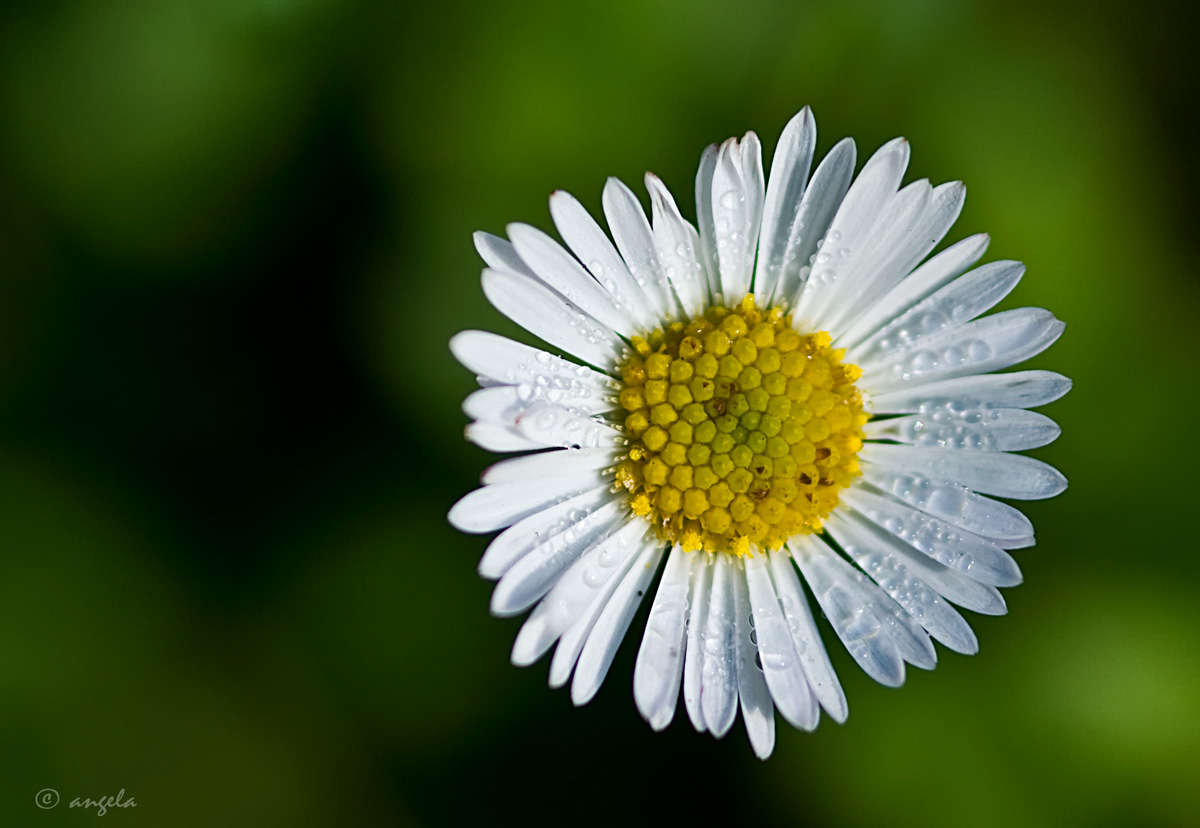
979, 350
774, 661
923, 362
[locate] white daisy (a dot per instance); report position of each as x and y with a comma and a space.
787, 387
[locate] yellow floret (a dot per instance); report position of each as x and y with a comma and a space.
657, 366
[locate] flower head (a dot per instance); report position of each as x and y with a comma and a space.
786, 395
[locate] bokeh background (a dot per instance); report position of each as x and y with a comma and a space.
234, 240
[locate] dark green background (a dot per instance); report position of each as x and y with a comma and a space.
234, 239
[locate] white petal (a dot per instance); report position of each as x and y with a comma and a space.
806, 639
699, 591
574, 592
956, 304
493, 507
992, 429
1020, 389
718, 676
757, 710
927, 278
820, 202
847, 269
588, 241
503, 404
559, 269
518, 540
851, 227
552, 318
606, 635
872, 549
994, 473
755, 183
737, 211
961, 551
635, 540
676, 243
891, 264
945, 206
497, 404
551, 425
847, 609
954, 503
876, 630
704, 219
954, 586
659, 666
988, 344
548, 464
498, 437
499, 254
631, 231
513, 363
785, 189
534, 574
781, 665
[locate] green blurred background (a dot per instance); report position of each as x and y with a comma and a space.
234, 239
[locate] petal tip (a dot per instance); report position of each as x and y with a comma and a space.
457, 342
580, 697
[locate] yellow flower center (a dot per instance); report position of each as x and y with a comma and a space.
742, 431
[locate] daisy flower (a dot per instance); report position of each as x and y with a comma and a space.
787, 393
